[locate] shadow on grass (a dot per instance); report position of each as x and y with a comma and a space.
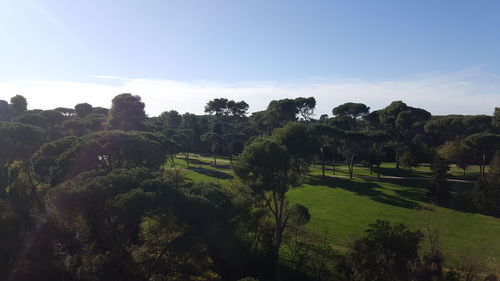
211, 173
413, 192
369, 189
460, 200
198, 162
194, 161
393, 172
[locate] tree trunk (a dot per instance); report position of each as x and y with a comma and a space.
333, 164
172, 159
378, 171
322, 162
277, 257
27, 166
187, 158
397, 155
483, 160
351, 166
215, 160
298, 164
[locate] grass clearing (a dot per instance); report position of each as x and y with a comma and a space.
343, 208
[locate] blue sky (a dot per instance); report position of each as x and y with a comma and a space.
428, 51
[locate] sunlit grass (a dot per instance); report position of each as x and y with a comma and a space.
343, 208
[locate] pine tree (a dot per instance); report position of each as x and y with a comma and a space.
440, 188
486, 194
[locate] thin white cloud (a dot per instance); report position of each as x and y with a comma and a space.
467, 92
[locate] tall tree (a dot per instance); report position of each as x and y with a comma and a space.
217, 106
5, 111
440, 188
171, 119
352, 144
486, 194
214, 140
325, 137
19, 104
264, 166
127, 112
496, 119
402, 121
83, 109
386, 253
485, 145
227, 114
350, 112
456, 152
305, 107
295, 138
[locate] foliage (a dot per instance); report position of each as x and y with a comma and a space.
386, 253
456, 152
127, 112
440, 187
85, 193
264, 166
487, 191
18, 104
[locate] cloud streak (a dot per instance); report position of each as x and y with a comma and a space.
468, 92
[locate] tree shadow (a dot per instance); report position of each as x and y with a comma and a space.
369, 189
393, 172
212, 173
198, 162
194, 161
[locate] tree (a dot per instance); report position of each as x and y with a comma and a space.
324, 138
298, 143
34, 119
484, 144
65, 158
171, 119
127, 112
227, 114
376, 148
440, 189
486, 194
352, 144
386, 253
280, 112
305, 107
408, 159
456, 152
66, 111
18, 104
214, 140
350, 112
217, 106
100, 110
83, 109
401, 122
237, 109
5, 111
264, 166
496, 118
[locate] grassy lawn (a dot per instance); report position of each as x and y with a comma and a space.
343, 208
388, 169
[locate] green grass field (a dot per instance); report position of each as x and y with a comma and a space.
343, 208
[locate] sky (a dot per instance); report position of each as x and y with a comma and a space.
439, 55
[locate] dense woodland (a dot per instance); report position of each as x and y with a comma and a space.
86, 192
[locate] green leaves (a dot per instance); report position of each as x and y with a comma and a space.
105, 150
264, 165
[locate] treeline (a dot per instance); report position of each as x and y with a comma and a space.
85, 195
